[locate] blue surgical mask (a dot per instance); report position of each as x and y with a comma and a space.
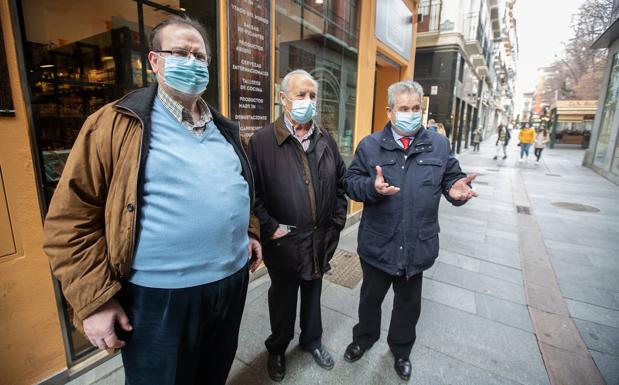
303, 110
186, 76
408, 122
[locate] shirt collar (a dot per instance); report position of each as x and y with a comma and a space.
397, 137
182, 114
291, 129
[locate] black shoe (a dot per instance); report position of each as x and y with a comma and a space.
402, 367
505, 156
353, 352
276, 367
322, 357
494, 158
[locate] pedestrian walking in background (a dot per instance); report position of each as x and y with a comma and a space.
440, 128
147, 231
541, 139
301, 204
502, 140
526, 138
432, 125
399, 174
476, 139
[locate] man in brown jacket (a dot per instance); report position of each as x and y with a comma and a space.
301, 206
148, 228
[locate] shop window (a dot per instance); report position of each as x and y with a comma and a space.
608, 117
323, 40
6, 100
80, 56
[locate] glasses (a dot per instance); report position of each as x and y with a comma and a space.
186, 54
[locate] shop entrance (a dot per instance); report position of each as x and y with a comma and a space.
387, 73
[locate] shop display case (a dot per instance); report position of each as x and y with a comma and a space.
72, 81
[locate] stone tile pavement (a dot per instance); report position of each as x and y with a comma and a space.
475, 325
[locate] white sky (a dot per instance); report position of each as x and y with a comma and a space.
541, 26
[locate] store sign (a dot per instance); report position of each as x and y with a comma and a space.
249, 50
394, 26
6, 100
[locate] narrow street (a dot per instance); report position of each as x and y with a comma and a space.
478, 324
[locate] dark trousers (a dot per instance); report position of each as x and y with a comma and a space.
538, 153
405, 314
283, 311
183, 336
475, 146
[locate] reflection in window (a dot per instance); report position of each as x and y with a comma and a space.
323, 40
608, 117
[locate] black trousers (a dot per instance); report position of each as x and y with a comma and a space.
283, 311
538, 153
405, 314
183, 336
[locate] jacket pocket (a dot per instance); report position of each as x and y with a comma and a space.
376, 238
390, 172
430, 171
282, 253
427, 245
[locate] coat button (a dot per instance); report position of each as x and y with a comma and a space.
130, 207
306, 181
421, 161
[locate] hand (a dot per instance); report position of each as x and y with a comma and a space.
381, 186
99, 326
278, 234
460, 190
255, 254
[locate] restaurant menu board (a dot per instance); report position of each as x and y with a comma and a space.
249, 50
6, 100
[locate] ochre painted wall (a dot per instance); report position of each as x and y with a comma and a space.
366, 71
31, 346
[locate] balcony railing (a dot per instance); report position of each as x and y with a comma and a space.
431, 11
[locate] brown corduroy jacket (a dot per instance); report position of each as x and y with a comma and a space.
90, 228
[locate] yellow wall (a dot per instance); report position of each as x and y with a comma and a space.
31, 346
366, 71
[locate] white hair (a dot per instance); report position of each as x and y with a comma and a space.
407, 86
292, 74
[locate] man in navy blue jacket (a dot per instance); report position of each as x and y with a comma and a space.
399, 174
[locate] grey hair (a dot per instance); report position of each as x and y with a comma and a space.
298, 72
408, 86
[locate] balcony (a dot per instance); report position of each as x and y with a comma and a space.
483, 71
478, 61
475, 37
431, 11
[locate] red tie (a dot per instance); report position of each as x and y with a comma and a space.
406, 141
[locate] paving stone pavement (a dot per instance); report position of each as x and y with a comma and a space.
475, 326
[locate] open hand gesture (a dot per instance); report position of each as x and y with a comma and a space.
460, 190
381, 186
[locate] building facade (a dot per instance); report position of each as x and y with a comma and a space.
62, 60
603, 153
466, 54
